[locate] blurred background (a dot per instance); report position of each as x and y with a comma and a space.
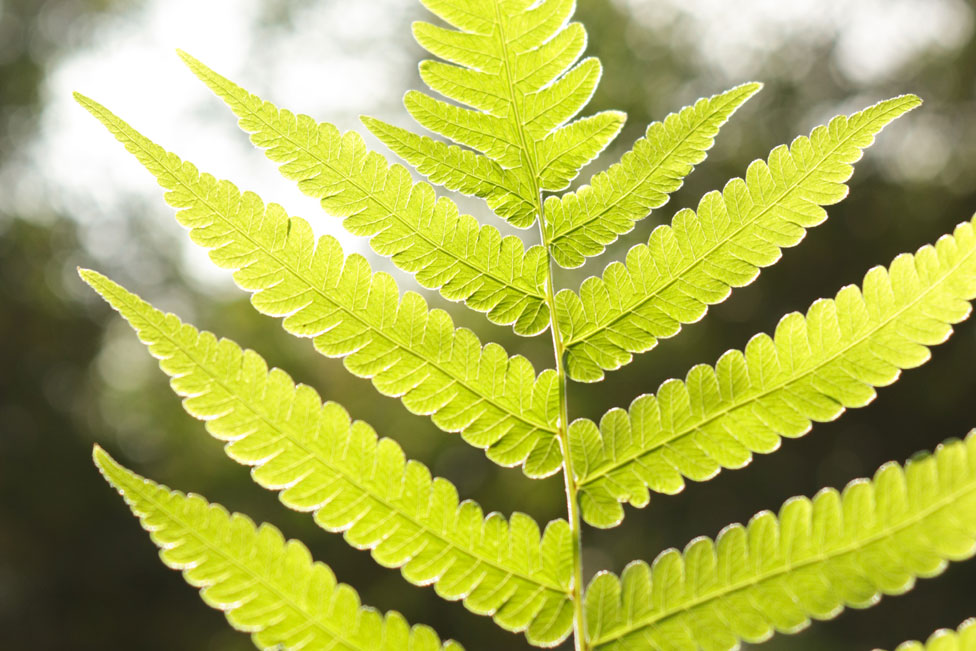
77, 572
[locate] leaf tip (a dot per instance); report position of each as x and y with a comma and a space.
103, 460
196, 66
89, 276
98, 111
903, 103
114, 473
98, 282
187, 58
87, 103
753, 87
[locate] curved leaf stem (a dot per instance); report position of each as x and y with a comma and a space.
562, 432
559, 350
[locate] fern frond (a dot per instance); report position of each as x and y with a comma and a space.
516, 76
266, 586
696, 261
322, 462
819, 556
814, 368
516, 66
495, 401
423, 234
963, 639
581, 224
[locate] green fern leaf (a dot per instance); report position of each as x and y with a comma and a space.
963, 639
582, 223
564, 153
813, 369
495, 401
696, 261
461, 170
423, 234
479, 131
326, 464
515, 67
267, 586
817, 557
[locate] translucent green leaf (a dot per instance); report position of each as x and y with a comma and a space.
817, 557
485, 133
322, 462
517, 72
582, 223
462, 170
562, 154
423, 234
814, 367
267, 586
516, 69
943, 639
495, 401
694, 262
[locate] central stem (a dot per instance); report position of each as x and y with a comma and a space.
562, 431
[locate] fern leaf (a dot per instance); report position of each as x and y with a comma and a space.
326, 464
266, 586
423, 234
814, 368
567, 97
563, 153
495, 401
516, 67
696, 261
488, 134
963, 639
461, 170
817, 557
582, 223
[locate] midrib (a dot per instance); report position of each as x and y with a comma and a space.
530, 154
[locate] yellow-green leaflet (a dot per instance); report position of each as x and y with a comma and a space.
963, 639
495, 401
814, 367
811, 561
700, 257
423, 234
354, 482
267, 586
514, 62
583, 223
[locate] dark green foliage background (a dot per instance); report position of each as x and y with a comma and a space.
77, 572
